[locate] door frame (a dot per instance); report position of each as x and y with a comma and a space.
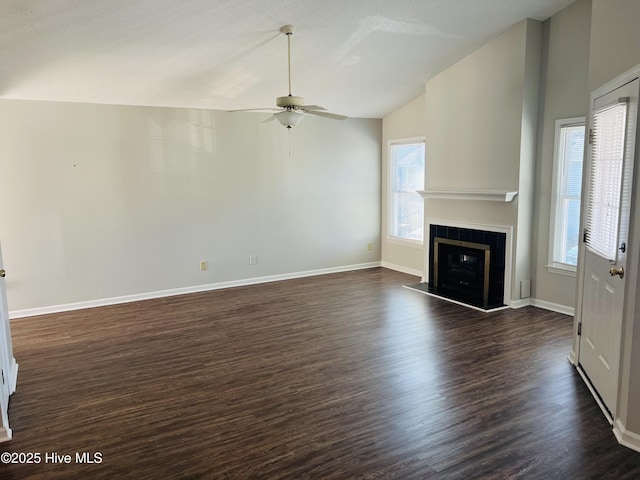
633, 258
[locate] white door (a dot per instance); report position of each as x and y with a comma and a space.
8, 364
607, 204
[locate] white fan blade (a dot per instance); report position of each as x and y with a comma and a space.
312, 107
270, 119
335, 116
255, 110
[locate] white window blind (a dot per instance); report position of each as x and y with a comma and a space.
607, 161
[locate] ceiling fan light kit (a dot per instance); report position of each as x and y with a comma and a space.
289, 118
292, 108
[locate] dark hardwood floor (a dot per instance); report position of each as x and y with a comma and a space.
342, 376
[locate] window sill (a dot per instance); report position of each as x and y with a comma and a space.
562, 269
406, 242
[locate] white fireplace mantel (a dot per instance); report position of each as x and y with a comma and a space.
488, 195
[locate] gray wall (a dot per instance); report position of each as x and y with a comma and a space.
106, 201
615, 37
564, 94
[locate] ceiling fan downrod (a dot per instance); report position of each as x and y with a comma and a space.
288, 31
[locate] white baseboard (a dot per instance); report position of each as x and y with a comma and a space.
625, 437
523, 302
554, 307
30, 312
403, 269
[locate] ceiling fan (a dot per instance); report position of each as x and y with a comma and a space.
291, 108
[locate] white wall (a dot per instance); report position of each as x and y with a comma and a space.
107, 201
481, 116
564, 94
406, 122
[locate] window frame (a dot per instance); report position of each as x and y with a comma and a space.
554, 266
391, 217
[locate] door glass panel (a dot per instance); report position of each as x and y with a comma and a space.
607, 161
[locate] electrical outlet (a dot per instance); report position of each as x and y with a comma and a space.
253, 259
203, 265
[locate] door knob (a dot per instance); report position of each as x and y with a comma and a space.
617, 271
3, 272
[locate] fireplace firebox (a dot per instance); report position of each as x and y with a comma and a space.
461, 269
467, 265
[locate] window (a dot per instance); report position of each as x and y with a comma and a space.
406, 206
565, 200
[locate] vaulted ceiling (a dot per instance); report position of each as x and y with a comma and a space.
362, 58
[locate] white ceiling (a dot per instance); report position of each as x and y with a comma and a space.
362, 58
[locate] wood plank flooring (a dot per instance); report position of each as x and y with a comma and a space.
342, 376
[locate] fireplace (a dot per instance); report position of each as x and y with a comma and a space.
467, 265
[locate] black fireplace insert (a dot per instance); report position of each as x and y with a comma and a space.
467, 265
